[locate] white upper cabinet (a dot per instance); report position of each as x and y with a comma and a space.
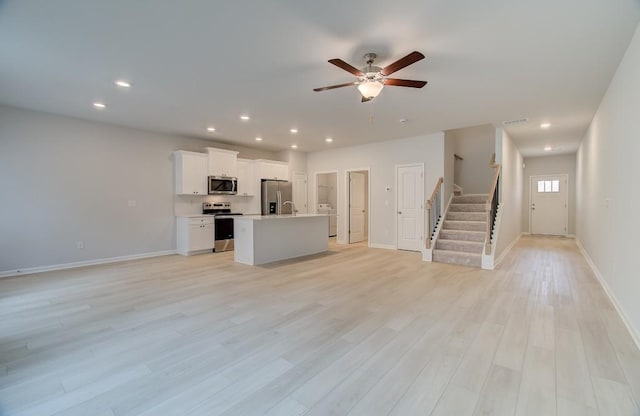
190, 173
246, 177
222, 162
271, 169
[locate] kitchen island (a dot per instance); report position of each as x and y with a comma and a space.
265, 239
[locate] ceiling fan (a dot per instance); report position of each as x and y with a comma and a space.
371, 79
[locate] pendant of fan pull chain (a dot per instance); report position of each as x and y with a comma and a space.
371, 79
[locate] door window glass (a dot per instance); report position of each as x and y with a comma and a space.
549, 186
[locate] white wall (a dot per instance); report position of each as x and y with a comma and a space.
381, 158
65, 180
449, 169
475, 145
607, 191
509, 157
550, 165
297, 161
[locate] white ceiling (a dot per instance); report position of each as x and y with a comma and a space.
198, 63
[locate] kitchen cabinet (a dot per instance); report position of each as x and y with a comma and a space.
222, 162
271, 169
246, 177
190, 173
195, 235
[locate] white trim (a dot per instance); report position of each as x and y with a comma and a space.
348, 199
506, 251
41, 269
625, 319
384, 246
566, 207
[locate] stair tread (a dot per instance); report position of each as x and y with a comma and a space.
467, 242
457, 253
462, 231
472, 221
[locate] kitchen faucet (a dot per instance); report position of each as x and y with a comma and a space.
293, 207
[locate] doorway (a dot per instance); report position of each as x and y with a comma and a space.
327, 199
300, 192
548, 210
410, 207
358, 197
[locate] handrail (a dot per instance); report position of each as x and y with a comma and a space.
432, 216
492, 203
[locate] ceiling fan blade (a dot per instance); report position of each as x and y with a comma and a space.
404, 83
413, 57
365, 99
342, 64
331, 87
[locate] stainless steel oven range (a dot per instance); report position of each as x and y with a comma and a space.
222, 223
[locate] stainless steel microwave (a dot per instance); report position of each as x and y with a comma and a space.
222, 185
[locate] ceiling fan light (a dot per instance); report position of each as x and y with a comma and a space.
370, 89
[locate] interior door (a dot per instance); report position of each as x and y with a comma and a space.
357, 207
410, 199
300, 191
549, 211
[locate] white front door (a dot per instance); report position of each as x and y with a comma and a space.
410, 203
357, 207
549, 211
300, 192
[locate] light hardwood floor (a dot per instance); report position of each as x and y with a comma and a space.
357, 331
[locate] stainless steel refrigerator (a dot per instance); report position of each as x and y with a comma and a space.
274, 194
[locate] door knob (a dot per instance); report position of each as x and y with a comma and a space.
399, 212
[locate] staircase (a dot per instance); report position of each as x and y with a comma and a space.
463, 232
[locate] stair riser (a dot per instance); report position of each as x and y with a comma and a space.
461, 235
456, 258
467, 216
469, 199
468, 208
465, 226
456, 245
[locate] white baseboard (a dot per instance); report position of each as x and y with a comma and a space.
41, 269
385, 246
507, 250
625, 319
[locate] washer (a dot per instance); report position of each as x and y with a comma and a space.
333, 218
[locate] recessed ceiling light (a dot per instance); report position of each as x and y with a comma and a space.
122, 83
244, 117
294, 131
99, 105
328, 140
545, 125
404, 120
258, 139
294, 146
211, 129
547, 148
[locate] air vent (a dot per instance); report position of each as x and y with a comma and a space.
512, 122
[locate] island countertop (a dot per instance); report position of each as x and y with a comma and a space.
277, 217
264, 239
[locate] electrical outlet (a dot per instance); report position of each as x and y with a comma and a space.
132, 203
80, 244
